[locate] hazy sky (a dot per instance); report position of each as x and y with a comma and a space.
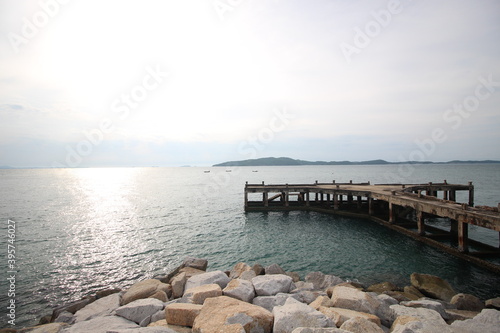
171, 83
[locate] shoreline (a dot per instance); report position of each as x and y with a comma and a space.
192, 297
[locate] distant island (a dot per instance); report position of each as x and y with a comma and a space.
287, 161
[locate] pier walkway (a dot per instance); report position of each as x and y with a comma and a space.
403, 207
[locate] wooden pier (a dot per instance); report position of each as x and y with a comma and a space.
402, 207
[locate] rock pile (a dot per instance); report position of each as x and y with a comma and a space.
257, 299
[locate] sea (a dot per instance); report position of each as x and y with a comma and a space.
81, 230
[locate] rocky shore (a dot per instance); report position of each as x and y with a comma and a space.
257, 299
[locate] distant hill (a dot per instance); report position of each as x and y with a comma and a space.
285, 161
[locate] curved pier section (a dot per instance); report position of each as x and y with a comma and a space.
403, 207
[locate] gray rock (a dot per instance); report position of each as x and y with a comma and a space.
65, 317
488, 321
275, 269
269, 302
158, 316
44, 328
294, 314
102, 307
178, 283
467, 302
318, 330
101, 325
425, 315
269, 285
361, 325
197, 263
248, 275
357, 300
433, 305
322, 281
145, 330
139, 310
71, 307
306, 296
387, 299
218, 277
240, 289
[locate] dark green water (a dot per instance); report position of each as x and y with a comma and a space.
82, 230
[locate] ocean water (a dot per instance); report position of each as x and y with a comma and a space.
82, 230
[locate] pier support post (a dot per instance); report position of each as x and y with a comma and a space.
359, 202
453, 195
463, 237
420, 223
370, 206
335, 202
392, 215
265, 197
471, 194
246, 199
307, 198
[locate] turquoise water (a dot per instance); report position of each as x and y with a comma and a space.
82, 230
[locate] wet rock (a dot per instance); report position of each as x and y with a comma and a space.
361, 325
226, 314
106, 292
140, 309
217, 277
240, 289
102, 307
71, 307
258, 269
65, 317
198, 295
379, 288
322, 281
294, 275
182, 314
294, 314
318, 330
432, 286
467, 302
414, 291
269, 285
493, 303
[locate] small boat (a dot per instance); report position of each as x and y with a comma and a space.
255, 170
206, 171
229, 170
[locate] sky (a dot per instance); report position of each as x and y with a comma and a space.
199, 82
